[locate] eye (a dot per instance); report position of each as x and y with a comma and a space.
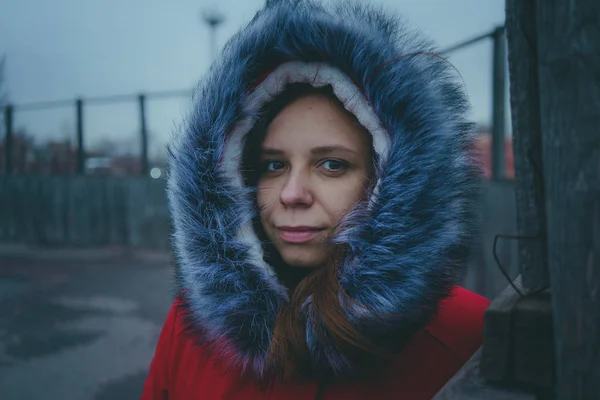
335, 165
273, 165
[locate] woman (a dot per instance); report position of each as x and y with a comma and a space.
323, 199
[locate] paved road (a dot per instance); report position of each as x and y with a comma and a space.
79, 324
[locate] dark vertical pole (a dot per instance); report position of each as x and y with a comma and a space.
568, 64
80, 144
213, 42
527, 141
213, 19
498, 102
144, 135
8, 139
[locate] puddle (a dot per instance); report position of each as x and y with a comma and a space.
11, 287
98, 303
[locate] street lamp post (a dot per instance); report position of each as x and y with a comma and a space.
213, 19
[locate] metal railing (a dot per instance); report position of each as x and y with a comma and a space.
497, 36
79, 106
498, 123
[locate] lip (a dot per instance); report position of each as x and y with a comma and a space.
299, 234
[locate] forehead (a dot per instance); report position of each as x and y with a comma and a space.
316, 120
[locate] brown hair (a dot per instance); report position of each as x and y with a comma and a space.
288, 353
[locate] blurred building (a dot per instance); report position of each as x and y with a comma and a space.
483, 150
60, 158
22, 152
127, 164
56, 157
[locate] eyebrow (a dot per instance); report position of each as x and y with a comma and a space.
270, 151
331, 149
320, 150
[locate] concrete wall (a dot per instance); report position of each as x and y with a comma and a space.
95, 211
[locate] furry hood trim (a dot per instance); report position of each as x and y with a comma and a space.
413, 247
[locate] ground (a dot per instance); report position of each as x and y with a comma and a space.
80, 324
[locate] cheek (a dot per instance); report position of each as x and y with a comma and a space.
340, 199
265, 196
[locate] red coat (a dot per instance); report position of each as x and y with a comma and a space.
180, 371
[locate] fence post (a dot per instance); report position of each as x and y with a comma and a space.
80, 144
498, 104
8, 138
144, 134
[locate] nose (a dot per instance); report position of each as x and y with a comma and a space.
296, 191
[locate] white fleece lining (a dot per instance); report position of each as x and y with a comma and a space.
317, 75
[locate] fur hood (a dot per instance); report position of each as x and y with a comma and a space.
413, 247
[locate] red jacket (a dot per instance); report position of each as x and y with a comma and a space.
180, 371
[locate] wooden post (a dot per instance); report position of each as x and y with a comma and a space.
527, 142
80, 143
498, 100
143, 135
8, 138
569, 87
497, 357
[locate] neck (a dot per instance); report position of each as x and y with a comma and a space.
292, 276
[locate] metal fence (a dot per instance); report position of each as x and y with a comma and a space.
499, 82
74, 152
17, 149
122, 211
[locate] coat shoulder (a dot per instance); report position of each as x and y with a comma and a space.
458, 323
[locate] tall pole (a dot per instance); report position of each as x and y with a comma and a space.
8, 139
521, 29
554, 63
568, 64
213, 19
213, 42
143, 134
498, 102
80, 141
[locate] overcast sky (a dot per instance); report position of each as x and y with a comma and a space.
61, 49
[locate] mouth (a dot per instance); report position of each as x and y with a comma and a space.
299, 234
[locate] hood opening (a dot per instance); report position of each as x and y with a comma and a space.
317, 75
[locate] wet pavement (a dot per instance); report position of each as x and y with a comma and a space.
79, 324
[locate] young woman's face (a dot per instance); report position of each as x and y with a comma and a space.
316, 165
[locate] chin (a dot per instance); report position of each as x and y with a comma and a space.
301, 262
